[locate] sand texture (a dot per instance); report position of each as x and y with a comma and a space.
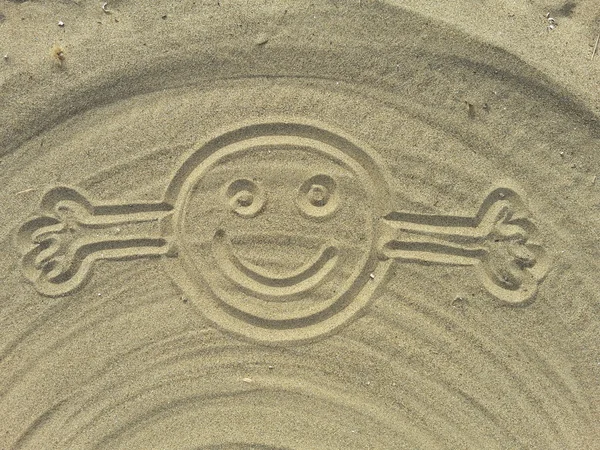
328, 224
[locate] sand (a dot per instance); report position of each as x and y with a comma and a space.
253, 224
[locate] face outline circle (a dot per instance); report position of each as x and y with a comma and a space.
305, 198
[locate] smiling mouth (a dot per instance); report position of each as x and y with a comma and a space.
260, 281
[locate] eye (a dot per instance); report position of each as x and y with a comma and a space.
317, 196
245, 197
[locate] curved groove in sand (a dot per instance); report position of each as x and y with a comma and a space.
86, 413
469, 376
251, 277
421, 325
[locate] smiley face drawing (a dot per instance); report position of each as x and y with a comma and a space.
280, 232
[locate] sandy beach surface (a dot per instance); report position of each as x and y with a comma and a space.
284, 224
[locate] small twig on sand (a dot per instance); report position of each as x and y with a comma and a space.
25, 191
595, 47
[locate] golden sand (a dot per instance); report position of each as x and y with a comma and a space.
329, 224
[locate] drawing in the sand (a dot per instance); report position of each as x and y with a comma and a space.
321, 212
